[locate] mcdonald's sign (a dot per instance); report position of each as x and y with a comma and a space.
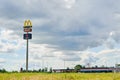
27, 24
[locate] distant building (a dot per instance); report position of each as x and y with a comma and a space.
63, 70
88, 70
99, 70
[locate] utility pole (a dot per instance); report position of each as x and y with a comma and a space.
27, 36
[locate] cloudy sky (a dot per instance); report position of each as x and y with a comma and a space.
64, 33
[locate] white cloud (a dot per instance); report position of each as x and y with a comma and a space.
38, 51
69, 3
2, 60
68, 57
9, 41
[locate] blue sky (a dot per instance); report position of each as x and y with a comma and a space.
70, 31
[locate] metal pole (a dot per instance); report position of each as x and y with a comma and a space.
27, 54
64, 64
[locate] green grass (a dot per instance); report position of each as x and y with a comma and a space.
60, 76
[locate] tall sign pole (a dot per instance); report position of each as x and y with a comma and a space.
27, 54
27, 36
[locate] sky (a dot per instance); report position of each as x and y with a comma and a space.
64, 33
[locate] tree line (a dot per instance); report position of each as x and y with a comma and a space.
50, 70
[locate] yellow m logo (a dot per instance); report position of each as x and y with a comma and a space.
27, 24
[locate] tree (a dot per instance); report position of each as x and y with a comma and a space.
50, 70
39, 70
43, 70
68, 69
96, 66
46, 69
77, 67
21, 69
3, 70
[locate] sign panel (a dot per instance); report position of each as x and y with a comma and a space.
27, 27
27, 36
27, 30
27, 24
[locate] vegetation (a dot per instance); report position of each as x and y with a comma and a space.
37, 71
60, 76
77, 67
3, 71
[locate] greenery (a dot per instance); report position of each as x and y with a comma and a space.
3, 71
36, 71
60, 76
50, 70
77, 67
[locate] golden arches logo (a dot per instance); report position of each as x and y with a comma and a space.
27, 23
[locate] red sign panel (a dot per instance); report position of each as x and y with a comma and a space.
27, 30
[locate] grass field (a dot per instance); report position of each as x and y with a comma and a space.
60, 76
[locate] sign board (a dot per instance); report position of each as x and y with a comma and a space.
27, 36
27, 24
27, 30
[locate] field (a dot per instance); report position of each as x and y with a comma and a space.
60, 76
